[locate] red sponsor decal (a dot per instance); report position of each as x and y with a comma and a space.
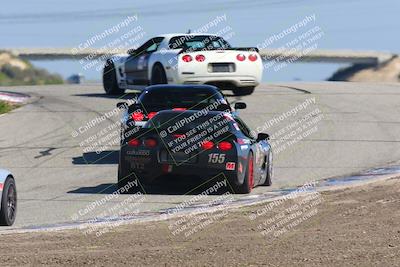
1, 187
230, 166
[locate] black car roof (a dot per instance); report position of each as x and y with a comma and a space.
204, 87
191, 112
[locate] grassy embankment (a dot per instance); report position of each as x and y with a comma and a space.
5, 107
16, 71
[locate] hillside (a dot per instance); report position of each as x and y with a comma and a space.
15, 71
387, 72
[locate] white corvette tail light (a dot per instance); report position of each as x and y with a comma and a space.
187, 58
200, 58
240, 57
253, 57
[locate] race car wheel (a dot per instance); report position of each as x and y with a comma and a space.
158, 75
248, 182
110, 82
240, 91
8, 209
125, 176
268, 172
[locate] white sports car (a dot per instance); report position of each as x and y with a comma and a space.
8, 198
185, 59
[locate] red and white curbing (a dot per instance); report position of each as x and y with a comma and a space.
14, 98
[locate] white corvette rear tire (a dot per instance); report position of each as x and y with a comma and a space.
110, 82
241, 91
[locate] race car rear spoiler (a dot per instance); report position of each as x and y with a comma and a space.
192, 49
162, 106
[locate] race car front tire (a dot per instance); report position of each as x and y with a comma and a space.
248, 182
8, 209
242, 91
158, 75
110, 82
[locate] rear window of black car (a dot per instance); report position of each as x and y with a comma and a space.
184, 121
178, 97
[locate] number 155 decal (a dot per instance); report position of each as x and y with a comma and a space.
216, 158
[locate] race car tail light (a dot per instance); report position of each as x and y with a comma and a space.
187, 58
240, 57
253, 57
134, 142
150, 142
200, 58
207, 145
166, 168
179, 109
225, 146
137, 116
151, 115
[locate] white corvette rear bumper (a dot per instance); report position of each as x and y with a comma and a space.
232, 74
236, 80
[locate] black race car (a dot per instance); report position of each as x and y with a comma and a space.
176, 97
196, 142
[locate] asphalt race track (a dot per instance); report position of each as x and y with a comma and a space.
57, 176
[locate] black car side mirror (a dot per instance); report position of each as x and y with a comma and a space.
240, 105
262, 136
122, 105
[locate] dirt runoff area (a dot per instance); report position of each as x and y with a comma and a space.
359, 226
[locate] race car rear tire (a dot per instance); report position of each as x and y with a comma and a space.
241, 91
125, 176
8, 209
248, 182
269, 172
158, 75
110, 82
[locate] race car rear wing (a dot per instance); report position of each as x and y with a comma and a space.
171, 106
194, 49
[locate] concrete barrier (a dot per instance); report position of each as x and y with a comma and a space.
327, 56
